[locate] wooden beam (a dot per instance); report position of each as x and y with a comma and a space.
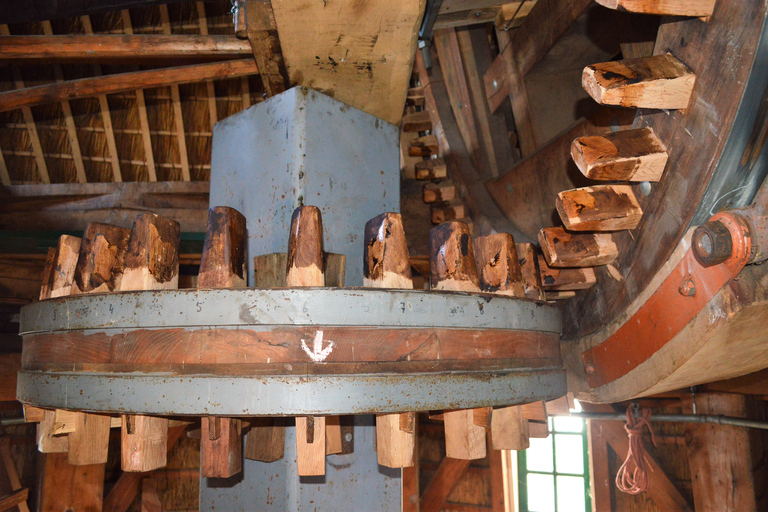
178, 116
29, 120
442, 484
526, 254
435, 192
203, 21
661, 81
122, 82
670, 7
599, 208
105, 47
564, 249
264, 40
146, 136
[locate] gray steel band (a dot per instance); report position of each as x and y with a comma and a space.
288, 306
286, 395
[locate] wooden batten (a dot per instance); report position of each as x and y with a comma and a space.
386, 264
599, 208
564, 249
627, 155
565, 279
526, 254
450, 210
498, 266
222, 265
101, 259
431, 169
451, 258
417, 122
697, 8
151, 263
424, 146
660, 81
440, 191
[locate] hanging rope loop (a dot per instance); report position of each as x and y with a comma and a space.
632, 477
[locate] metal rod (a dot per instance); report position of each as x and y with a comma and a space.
672, 418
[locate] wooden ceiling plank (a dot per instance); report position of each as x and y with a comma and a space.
106, 117
146, 136
123, 82
78, 47
203, 21
178, 116
69, 120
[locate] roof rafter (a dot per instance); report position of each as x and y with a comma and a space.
176, 99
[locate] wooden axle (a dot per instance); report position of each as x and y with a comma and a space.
660, 81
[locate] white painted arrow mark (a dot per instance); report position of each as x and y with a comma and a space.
318, 353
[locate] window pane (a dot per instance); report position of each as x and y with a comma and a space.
565, 424
569, 453
539, 456
541, 493
571, 494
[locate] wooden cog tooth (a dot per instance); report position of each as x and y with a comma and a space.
431, 169
452, 261
660, 81
439, 191
564, 249
565, 279
627, 155
599, 208
498, 266
526, 254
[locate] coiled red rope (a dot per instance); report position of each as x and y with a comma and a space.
632, 477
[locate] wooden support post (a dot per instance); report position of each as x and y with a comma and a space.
450, 210
417, 122
660, 81
222, 265
498, 266
152, 263
452, 267
431, 169
526, 254
599, 208
719, 456
627, 155
565, 279
424, 146
306, 267
437, 192
386, 264
564, 249
668, 7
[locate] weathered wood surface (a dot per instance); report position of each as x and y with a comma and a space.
417, 122
498, 266
449, 210
431, 169
565, 279
509, 430
440, 191
265, 440
105, 47
424, 146
671, 7
122, 82
660, 81
221, 447
628, 155
101, 261
452, 261
361, 54
463, 438
599, 208
306, 259
564, 249
694, 145
71, 206
261, 30
526, 254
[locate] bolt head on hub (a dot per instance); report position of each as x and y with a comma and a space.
712, 243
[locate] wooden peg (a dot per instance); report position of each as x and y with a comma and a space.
564, 249
628, 155
310, 445
451, 258
222, 265
101, 259
463, 438
509, 430
599, 208
437, 192
306, 261
151, 263
450, 210
660, 81
386, 264
565, 279
498, 266
424, 146
99, 268
417, 122
526, 254
696, 8
431, 169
